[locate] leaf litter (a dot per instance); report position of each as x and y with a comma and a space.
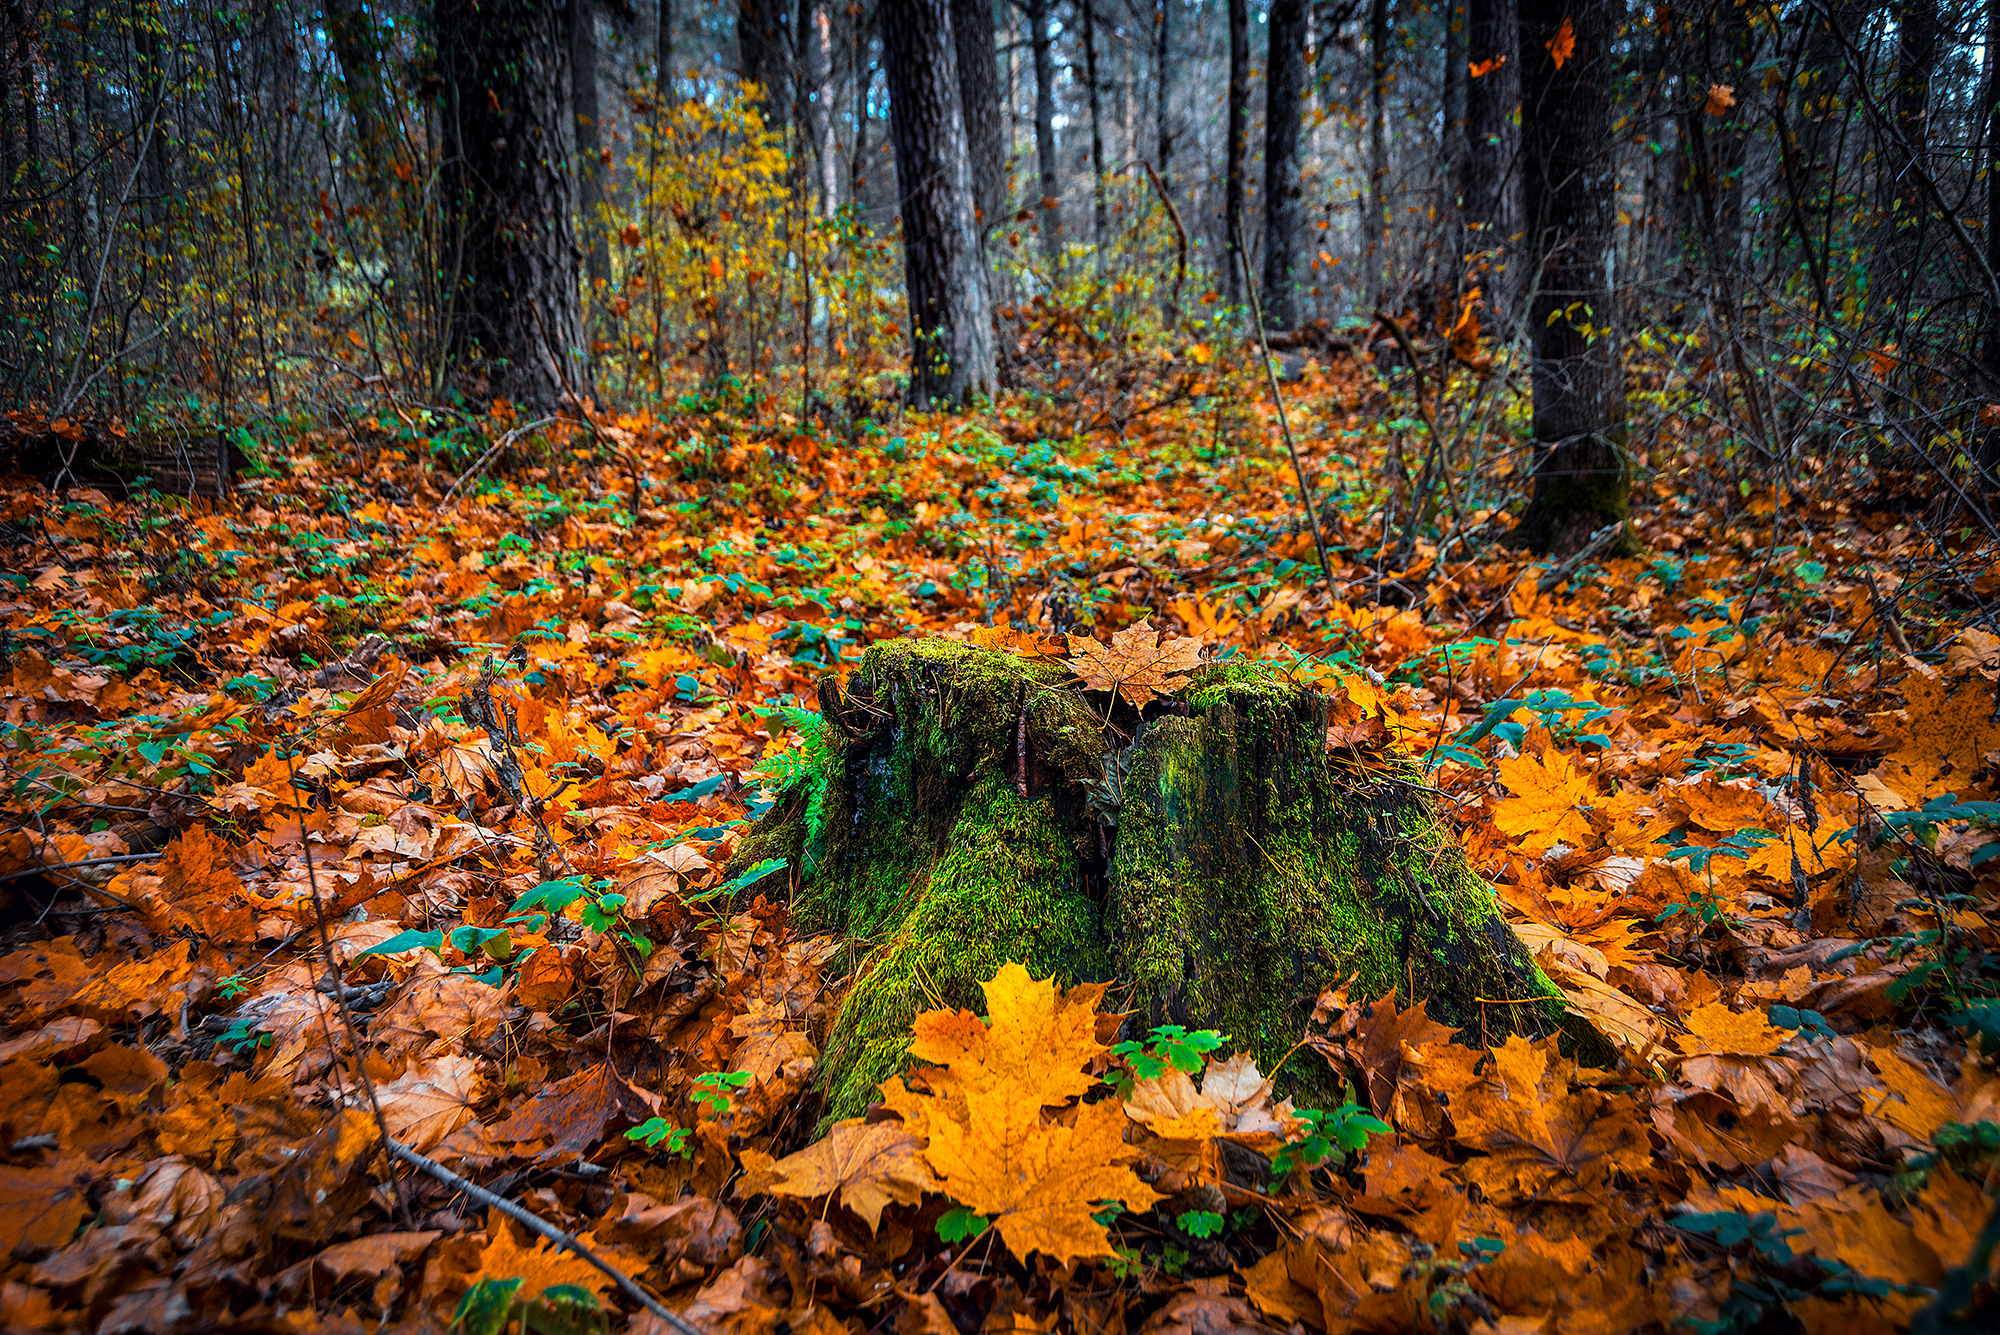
468, 778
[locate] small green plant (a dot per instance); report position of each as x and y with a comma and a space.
712, 1093
655, 1131
1346, 1127
1171, 1046
243, 1039
232, 987
494, 1306
959, 1224
1199, 1223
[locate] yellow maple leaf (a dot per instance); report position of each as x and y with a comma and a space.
1041, 1182
1548, 796
982, 1113
1138, 662
1716, 1030
870, 1165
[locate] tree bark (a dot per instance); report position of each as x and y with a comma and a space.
1903, 201
979, 97
762, 57
1236, 151
951, 314
1377, 232
1487, 180
663, 54
516, 323
969, 808
1048, 209
582, 22
1581, 475
1163, 74
1284, 193
1100, 224
352, 32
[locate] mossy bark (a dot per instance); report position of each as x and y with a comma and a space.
1213, 855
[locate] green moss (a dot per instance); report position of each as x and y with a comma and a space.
1241, 868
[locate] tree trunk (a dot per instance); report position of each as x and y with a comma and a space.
1284, 194
352, 32
1377, 232
1581, 474
1487, 176
663, 54
951, 313
979, 97
1048, 210
1236, 151
1100, 223
761, 55
516, 322
1902, 198
969, 808
589, 139
1163, 75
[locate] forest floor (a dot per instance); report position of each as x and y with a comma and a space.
492, 745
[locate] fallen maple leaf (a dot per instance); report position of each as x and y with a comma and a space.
540, 1265
1138, 662
871, 1166
1721, 97
1548, 796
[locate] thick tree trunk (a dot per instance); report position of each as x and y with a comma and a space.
979, 97
970, 808
516, 319
1487, 179
1284, 194
352, 32
951, 312
1581, 474
1236, 151
761, 55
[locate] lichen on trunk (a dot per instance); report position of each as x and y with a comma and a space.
1212, 855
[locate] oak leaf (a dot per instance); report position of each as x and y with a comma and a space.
1137, 663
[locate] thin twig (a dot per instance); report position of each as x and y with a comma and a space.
47, 868
1180, 239
536, 1224
1284, 423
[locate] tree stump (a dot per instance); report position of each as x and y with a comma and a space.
1212, 854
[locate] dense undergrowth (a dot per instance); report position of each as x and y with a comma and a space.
487, 725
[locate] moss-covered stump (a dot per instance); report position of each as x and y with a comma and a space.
972, 807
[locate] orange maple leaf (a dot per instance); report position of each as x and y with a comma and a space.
1479, 69
1138, 662
1563, 44
871, 1165
1721, 97
1546, 807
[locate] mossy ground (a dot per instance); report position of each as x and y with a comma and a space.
1238, 870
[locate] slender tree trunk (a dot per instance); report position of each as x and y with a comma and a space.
952, 346
1101, 228
1487, 178
1902, 197
516, 325
1237, 150
663, 54
1581, 474
1377, 232
589, 139
761, 55
979, 96
1989, 443
1451, 138
1284, 194
1048, 209
1163, 75
829, 146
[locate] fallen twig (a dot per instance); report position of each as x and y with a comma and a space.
536, 1224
